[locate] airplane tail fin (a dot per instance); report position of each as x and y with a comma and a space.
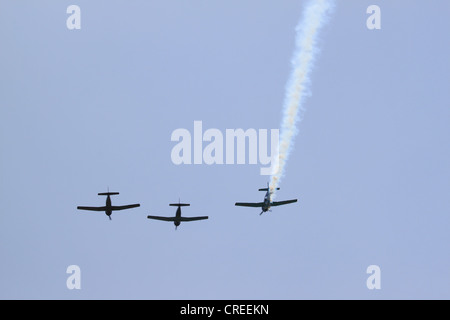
267, 189
179, 204
108, 193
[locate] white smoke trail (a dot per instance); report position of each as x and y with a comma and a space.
314, 17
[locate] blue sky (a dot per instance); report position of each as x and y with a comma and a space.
84, 110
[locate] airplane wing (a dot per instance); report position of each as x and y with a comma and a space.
92, 208
280, 203
248, 204
193, 218
116, 208
161, 218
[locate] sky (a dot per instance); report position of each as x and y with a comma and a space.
85, 110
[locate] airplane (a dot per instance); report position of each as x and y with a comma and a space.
267, 201
109, 208
178, 218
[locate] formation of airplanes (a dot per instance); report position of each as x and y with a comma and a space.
177, 219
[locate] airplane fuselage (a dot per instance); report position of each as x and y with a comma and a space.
266, 204
177, 220
108, 210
